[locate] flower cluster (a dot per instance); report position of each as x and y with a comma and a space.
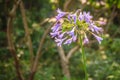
69, 26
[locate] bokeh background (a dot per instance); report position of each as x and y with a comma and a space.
103, 61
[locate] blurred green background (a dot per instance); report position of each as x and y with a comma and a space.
103, 61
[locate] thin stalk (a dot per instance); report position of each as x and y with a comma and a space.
84, 59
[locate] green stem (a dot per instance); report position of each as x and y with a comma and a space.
84, 59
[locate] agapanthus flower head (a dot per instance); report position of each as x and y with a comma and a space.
75, 25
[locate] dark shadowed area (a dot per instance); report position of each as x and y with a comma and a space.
27, 51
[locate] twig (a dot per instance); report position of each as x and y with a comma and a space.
64, 63
27, 34
73, 50
38, 55
62, 54
44, 21
113, 14
10, 42
13, 11
65, 7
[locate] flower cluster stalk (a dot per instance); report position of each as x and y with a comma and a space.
84, 59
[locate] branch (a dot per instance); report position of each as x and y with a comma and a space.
72, 51
64, 63
13, 11
27, 34
44, 21
38, 55
10, 42
62, 54
50, 20
65, 7
113, 14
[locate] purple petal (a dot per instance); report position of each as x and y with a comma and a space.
68, 41
60, 14
81, 17
56, 27
87, 16
86, 41
99, 39
53, 34
71, 33
61, 35
74, 38
69, 17
94, 28
97, 29
91, 27
74, 17
59, 41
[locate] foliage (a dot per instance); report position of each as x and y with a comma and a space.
103, 61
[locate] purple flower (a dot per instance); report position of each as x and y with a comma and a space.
74, 17
94, 28
54, 34
71, 33
87, 16
86, 41
61, 35
56, 27
81, 16
74, 38
60, 14
99, 39
97, 29
68, 41
69, 17
59, 41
